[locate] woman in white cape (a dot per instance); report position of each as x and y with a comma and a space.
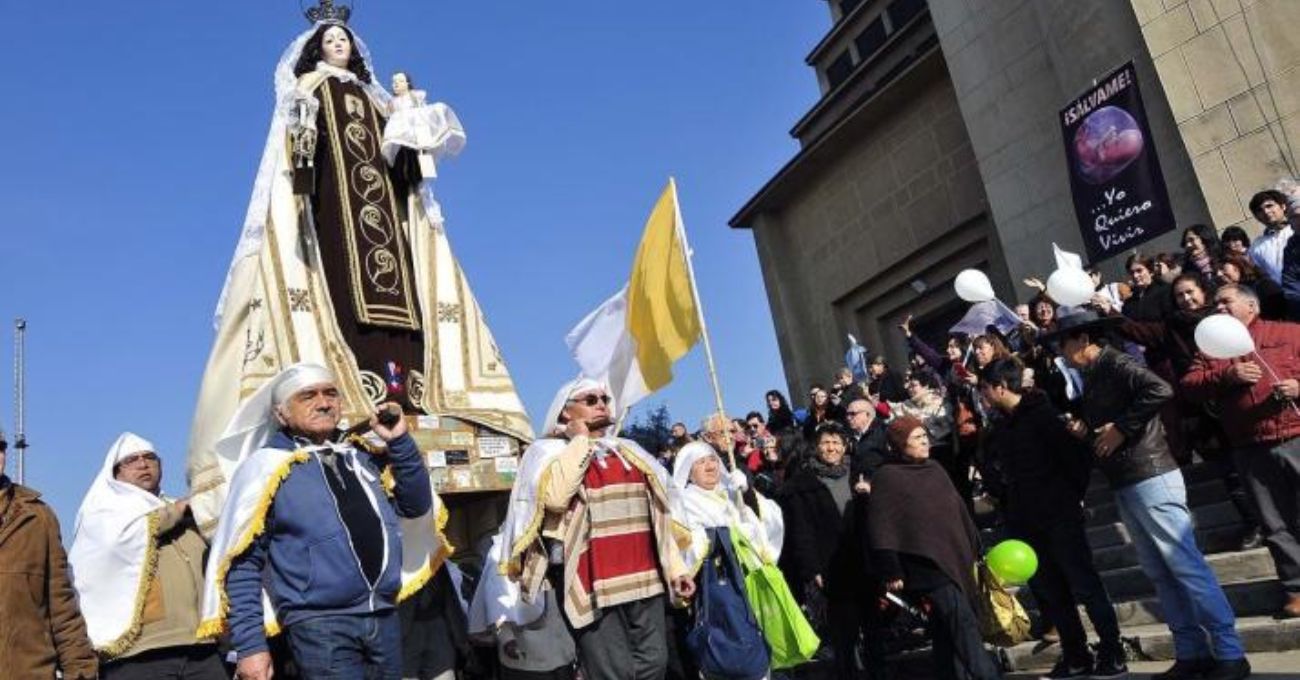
708, 496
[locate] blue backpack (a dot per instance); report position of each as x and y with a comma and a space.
726, 640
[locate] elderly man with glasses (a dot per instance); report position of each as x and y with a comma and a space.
137, 563
590, 515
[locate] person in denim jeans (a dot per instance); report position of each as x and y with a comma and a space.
324, 547
1119, 416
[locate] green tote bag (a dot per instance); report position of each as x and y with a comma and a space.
787, 632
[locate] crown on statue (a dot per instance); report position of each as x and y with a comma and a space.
327, 12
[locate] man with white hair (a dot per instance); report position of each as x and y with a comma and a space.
137, 565
591, 513
314, 521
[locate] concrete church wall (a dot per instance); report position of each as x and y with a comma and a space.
1015, 64
879, 212
1231, 70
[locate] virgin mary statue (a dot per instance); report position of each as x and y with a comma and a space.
344, 261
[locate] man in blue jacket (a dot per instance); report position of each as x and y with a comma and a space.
328, 551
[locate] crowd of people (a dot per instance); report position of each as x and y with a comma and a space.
616, 562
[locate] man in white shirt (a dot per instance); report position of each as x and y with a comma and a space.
1270, 208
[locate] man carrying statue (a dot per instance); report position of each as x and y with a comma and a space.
137, 564
321, 535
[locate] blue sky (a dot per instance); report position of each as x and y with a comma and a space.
133, 132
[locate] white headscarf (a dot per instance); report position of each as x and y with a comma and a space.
551, 425
699, 509
255, 421
687, 457
112, 554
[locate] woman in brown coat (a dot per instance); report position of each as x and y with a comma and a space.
41, 629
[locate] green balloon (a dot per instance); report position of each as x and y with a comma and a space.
1013, 561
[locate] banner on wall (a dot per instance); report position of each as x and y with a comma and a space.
1115, 179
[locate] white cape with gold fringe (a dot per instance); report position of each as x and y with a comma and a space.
252, 490
114, 553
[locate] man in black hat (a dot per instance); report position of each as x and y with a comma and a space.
1119, 416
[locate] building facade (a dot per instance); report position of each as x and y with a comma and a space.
936, 147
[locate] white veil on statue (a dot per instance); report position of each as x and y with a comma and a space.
276, 310
250, 239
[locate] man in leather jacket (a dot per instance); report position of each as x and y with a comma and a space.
1118, 416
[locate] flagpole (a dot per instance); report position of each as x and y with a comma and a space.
680, 225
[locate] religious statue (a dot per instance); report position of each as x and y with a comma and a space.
430, 130
344, 261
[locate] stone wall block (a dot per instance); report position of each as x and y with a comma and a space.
1288, 137
1281, 96
1247, 114
1177, 83
1147, 10
1216, 185
1169, 30
1243, 48
1209, 130
1214, 67
1203, 14
1255, 162
1273, 26
1226, 8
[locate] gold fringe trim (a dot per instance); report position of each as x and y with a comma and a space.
123, 643
388, 482
216, 626
508, 566
427, 572
681, 534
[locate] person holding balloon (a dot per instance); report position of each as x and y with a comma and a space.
922, 541
1118, 417
1250, 367
1046, 473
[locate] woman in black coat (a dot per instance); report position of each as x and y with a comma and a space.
823, 543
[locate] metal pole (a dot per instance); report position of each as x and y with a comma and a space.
699, 307
20, 397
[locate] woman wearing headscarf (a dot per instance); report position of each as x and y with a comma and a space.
924, 543
709, 497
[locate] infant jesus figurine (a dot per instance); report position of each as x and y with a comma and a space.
431, 130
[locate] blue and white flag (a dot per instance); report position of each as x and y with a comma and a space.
856, 359
981, 315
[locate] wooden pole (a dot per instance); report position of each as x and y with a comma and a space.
699, 308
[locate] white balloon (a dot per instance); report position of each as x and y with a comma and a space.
1222, 336
973, 286
1070, 287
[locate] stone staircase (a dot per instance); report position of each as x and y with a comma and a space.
1247, 577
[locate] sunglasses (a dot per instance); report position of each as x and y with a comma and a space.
591, 400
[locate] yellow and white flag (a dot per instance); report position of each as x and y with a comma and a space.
632, 340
